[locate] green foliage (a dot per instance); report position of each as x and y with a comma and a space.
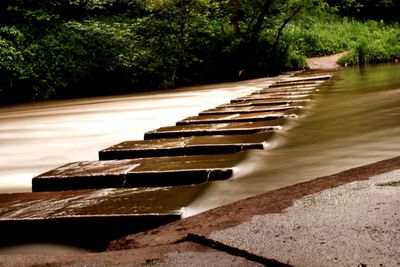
369, 41
367, 9
72, 48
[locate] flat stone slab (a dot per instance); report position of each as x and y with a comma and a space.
238, 117
306, 77
287, 91
233, 128
258, 96
89, 215
295, 82
263, 102
268, 92
142, 172
249, 109
194, 145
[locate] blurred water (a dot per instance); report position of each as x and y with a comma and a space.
38, 137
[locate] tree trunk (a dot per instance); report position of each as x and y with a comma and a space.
255, 31
235, 18
280, 30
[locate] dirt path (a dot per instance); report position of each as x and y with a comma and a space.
325, 63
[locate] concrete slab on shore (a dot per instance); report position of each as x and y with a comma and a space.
238, 117
194, 145
89, 215
142, 172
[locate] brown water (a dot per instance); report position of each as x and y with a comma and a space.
352, 121
38, 137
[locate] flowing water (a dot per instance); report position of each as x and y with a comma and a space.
353, 120
38, 137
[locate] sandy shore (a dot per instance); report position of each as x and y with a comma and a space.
325, 63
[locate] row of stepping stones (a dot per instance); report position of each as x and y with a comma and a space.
138, 185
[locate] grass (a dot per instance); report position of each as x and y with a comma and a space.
325, 34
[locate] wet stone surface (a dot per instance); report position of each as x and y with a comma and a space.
262, 102
142, 172
91, 215
234, 128
258, 96
194, 145
295, 82
307, 76
235, 117
249, 109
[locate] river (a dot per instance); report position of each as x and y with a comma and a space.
353, 120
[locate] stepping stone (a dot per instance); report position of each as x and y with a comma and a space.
268, 93
264, 102
286, 92
258, 96
227, 118
293, 87
308, 78
142, 172
195, 145
249, 109
289, 89
89, 216
294, 82
215, 129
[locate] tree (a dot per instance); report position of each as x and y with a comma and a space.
267, 20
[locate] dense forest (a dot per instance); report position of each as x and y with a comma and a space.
52, 49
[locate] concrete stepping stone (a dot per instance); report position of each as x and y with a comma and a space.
289, 83
91, 216
227, 118
295, 82
142, 172
307, 77
287, 90
263, 102
249, 109
233, 128
258, 96
268, 93
194, 145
